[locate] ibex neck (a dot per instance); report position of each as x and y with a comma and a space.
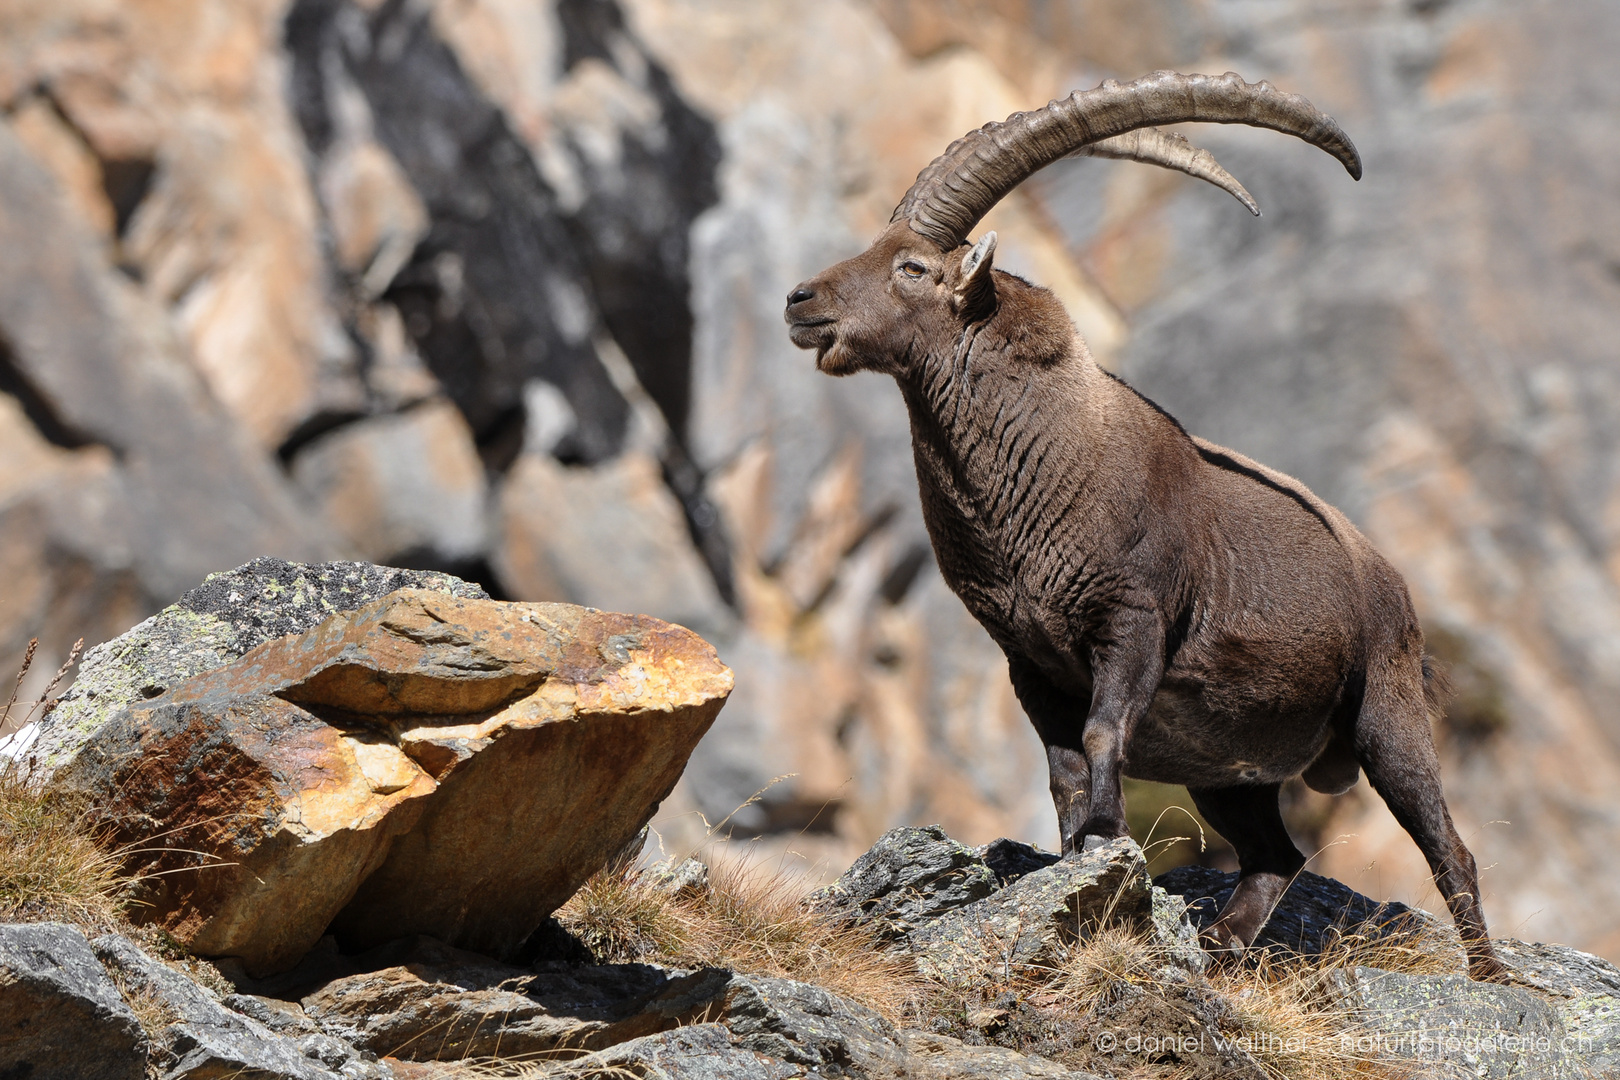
989, 429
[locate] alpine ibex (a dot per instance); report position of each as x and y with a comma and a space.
1170, 609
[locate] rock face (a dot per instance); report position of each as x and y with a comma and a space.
428, 763
61, 1016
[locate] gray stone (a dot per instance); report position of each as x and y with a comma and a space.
1313, 914
1031, 921
208, 1040
911, 875
210, 626
945, 1058
435, 1003
812, 1027
1449, 1025
697, 1052
1012, 859
688, 876
1583, 989
61, 1016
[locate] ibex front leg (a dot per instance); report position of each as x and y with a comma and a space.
1059, 720
1125, 675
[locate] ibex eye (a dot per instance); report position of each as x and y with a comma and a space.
913, 269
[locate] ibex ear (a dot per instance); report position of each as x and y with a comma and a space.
976, 293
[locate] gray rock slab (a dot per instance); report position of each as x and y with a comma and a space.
911, 875
61, 1015
1449, 1025
697, 1052
811, 1027
1583, 989
437, 1003
209, 1040
210, 626
945, 1058
1314, 913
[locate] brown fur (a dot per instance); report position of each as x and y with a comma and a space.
1170, 609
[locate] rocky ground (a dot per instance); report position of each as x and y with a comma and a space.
370, 823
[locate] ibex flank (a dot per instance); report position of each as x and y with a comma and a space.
1170, 609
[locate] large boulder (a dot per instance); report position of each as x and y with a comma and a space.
427, 764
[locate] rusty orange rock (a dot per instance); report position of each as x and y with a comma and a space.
427, 764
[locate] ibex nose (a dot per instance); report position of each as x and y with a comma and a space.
800, 295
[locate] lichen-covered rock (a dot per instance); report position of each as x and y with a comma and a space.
427, 764
698, 1052
940, 1057
61, 1016
909, 876
1448, 1025
1583, 989
211, 626
443, 1004
1034, 918
811, 1027
206, 1040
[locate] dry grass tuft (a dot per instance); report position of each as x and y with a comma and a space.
51, 866
747, 920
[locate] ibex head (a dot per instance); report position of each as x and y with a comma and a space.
890, 306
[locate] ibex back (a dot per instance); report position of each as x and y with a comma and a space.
1170, 609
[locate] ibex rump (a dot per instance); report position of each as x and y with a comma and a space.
1170, 609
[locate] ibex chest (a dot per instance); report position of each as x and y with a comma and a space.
1012, 576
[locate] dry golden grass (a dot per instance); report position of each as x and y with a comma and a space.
51, 865
747, 920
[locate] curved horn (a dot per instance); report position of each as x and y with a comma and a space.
1168, 150
961, 185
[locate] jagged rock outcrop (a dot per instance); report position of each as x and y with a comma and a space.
428, 763
952, 906
199, 1038
61, 1015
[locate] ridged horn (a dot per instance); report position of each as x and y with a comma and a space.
978, 170
1168, 150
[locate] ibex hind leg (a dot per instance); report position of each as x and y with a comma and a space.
1251, 821
1395, 746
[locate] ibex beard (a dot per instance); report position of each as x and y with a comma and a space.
1170, 609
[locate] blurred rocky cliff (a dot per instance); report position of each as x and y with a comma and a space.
495, 287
